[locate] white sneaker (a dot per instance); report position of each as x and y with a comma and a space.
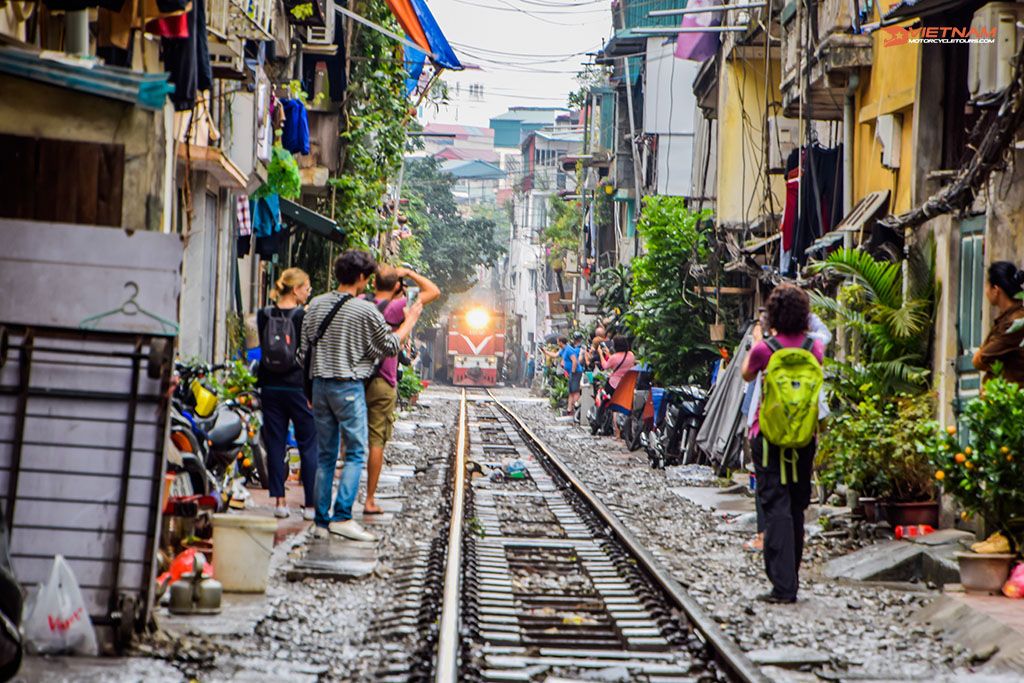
350, 528
308, 514
282, 511
320, 532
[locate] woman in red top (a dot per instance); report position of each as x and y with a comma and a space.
782, 505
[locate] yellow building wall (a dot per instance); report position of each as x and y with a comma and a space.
888, 87
741, 152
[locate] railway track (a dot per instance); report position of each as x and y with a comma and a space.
541, 579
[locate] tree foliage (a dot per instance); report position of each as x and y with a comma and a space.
374, 129
668, 316
451, 246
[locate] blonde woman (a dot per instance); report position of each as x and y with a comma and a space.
280, 383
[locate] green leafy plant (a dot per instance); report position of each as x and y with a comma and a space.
981, 467
234, 382
668, 316
558, 383
282, 175
410, 385
882, 447
890, 326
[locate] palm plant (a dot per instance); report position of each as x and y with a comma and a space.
889, 318
614, 289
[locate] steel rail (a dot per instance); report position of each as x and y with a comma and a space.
725, 650
447, 668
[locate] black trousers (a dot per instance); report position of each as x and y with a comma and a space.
281, 406
782, 512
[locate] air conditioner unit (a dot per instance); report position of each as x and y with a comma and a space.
783, 134
889, 131
990, 69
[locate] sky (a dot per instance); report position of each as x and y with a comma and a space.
528, 52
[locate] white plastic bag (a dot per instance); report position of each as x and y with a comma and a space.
56, 620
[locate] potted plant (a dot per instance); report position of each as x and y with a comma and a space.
980, 466
409, 387
882, 449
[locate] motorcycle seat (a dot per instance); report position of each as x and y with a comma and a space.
223, 428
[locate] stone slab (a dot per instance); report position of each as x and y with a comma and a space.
788, 656
886, 561
712, 498
334, 558
944, 537
979, 622
240, 612
96, 670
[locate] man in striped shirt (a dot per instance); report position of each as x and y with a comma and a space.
346, 355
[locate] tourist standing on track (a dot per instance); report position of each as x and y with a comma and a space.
1001, 345
570, 356
783, 495
619, 363
381, 390
356, 336
281, 394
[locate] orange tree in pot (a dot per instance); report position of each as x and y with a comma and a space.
981, 465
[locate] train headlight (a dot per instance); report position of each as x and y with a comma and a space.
478, 318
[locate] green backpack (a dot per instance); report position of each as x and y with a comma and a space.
789, 400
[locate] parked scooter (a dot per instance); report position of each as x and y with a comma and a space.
217, 441
600, 414
674, 438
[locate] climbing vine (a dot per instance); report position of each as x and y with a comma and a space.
375, 113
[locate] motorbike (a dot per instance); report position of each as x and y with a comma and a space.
674, 438
600, 414
216, 441
633, 426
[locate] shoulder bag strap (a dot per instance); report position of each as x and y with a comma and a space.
808, 343
774, 344
322, 330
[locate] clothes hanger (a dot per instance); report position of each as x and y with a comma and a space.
130, 307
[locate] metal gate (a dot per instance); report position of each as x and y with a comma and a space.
82, 415
82, 432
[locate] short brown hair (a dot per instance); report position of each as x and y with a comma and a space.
353, 264
788, 309
386, 279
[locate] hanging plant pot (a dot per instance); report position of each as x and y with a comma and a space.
984, 572
717, 331
899, 514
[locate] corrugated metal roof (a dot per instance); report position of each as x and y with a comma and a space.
472, 170
532, 115
145, 90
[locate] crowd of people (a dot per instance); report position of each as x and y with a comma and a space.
340, 387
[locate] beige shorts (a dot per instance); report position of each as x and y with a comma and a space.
380, 411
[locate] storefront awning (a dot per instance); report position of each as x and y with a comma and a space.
863, 211
301, 217
144, 90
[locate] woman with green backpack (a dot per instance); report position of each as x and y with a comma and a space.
782, 436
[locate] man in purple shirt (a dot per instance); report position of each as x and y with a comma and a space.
381, 391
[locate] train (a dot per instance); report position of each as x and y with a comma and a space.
475, 346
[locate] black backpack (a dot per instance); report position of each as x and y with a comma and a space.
279, 341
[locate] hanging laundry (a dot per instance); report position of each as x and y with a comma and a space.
188, 60
175, 26
242, 215
819, 207
295, 132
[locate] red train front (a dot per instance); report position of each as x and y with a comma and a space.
476, 346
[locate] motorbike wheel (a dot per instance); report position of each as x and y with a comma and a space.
259, 461
636, 427
595, 425
607, 423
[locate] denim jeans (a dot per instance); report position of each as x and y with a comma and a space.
339, 409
